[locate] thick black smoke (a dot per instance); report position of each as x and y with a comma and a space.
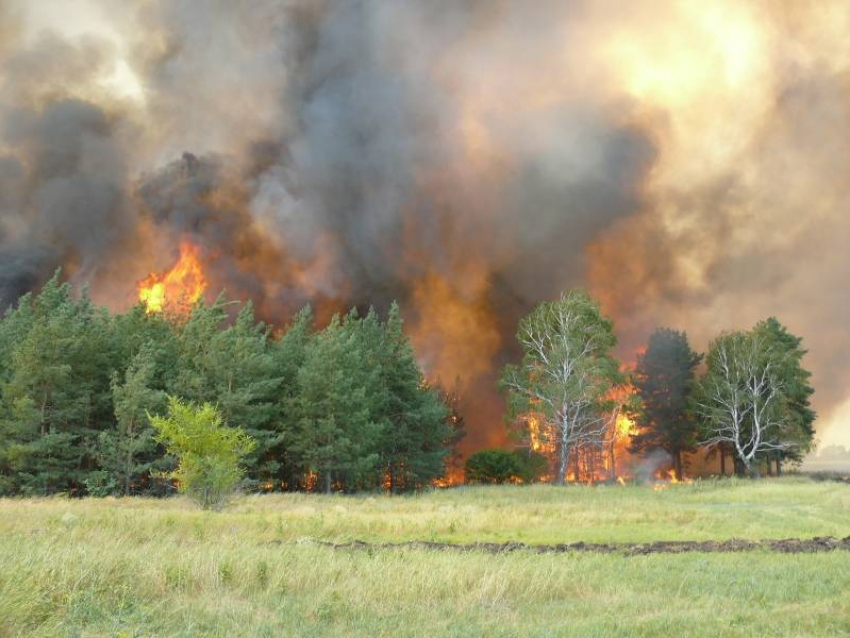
468, 159
370, 173
63, 200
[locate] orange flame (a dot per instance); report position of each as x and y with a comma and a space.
178, 288
540, 439
625, 426
605, 461
668, 478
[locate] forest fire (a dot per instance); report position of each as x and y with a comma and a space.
539, 436
178, 288
605, 460
417, 187
668, 478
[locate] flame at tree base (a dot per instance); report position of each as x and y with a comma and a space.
177, 289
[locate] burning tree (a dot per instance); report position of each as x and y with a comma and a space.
566, 376
750, 396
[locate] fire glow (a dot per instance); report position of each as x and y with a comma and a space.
668, 478
608, 461
178, 288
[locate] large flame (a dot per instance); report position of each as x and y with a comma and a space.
540, 435
608, 460
178, 288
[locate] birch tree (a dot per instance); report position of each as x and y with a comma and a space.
741, 397
567, 373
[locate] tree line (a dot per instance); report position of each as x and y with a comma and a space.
342, 408
747, 398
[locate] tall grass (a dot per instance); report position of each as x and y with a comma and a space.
123, 567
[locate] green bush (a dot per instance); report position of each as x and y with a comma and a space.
209, 452
101, 483
492, 466
533, 465
500, 466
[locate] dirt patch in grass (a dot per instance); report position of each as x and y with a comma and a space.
786, 546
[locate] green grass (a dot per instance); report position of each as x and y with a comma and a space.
143, 567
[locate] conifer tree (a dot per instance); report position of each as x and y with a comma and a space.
129, 452
242, 381
335, 426
56, 399
415, 442
664, 379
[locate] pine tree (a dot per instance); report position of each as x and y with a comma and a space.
193, 378
415, 442
335, 427
663, 379
241, 379
128, 453
56, 399
289, 354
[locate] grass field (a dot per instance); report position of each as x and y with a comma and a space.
143, 567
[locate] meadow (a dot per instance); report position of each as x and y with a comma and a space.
147, 567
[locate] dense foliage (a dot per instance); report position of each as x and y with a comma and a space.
345, 407
500, 466
752, 400
209, 453
754, 397
663, 380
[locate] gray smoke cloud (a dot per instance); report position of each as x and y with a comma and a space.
63, 199
468, 159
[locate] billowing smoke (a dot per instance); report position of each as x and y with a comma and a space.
468, 159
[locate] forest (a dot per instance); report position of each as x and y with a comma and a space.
93, 402
344, 408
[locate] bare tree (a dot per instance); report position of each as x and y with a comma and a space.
567, 373
741, 396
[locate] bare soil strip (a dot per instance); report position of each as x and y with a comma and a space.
785, 546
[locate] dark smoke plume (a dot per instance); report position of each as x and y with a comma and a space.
468, 159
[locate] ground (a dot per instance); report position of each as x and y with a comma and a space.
145, 567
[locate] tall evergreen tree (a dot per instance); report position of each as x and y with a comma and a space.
129, 451
289, 353
192, 380
663, 379
415, 442
77, 384
57, 395
241, 378
335, 430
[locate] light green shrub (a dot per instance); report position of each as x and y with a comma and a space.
209, 452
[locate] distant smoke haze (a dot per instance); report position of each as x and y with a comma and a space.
469, 159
